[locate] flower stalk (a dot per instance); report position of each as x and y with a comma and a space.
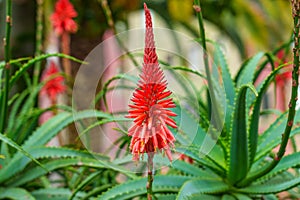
149, 110
215, 112
150, 175
6, 42
39, 40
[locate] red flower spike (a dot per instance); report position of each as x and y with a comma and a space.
54, 85
149, 131
62, 18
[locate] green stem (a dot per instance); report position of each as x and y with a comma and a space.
150, 176
4, 100
39, 38
293, 100
215, 112
110, 22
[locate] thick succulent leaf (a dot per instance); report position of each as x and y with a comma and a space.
55, 194
190, 169
192, 135
238, 162
254, 119
201, 186
228, 197
229, 85
51, 165
194, 154
247, 70
272, 186
44, 133
239, 196
15, 194
52, 152
20, 149
134, 188
274, 138
285, 163
166, 196
86, 181
204, 197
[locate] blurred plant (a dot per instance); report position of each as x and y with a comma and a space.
54, 82
25, 161
64, 24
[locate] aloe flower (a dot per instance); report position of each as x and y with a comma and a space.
62, 18
55, 82
151, 101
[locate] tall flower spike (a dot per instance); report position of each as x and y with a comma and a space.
62, 18
149, 110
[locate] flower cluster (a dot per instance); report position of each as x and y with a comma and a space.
55, 82
62, 18
150, 104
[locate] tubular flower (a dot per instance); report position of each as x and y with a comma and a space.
62, 18
149, 131
54, 84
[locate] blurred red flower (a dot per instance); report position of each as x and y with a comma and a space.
150, 104
62, 18
55, 82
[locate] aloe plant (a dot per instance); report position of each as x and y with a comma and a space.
243, 163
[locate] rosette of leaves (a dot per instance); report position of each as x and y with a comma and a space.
229, 170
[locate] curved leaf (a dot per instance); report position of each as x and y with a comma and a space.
285, 163
44, 133
204, 197
238, 157
254, 119
55, 194
60, 163
201, 186
137, 187
15, 194
20, 149
271, 187
24, 67
247, 72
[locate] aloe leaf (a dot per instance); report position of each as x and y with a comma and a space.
86, 181
272, 136
254, 119
51, 152
227, 197
229, 85
21, 150
239, 196
137, 187
271, 187
247, 72
287, 162
203, 196
192, 134
31, 62
238, 157
55, 194
15, 194
201, 186
47, 131
165, 196
35, 172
